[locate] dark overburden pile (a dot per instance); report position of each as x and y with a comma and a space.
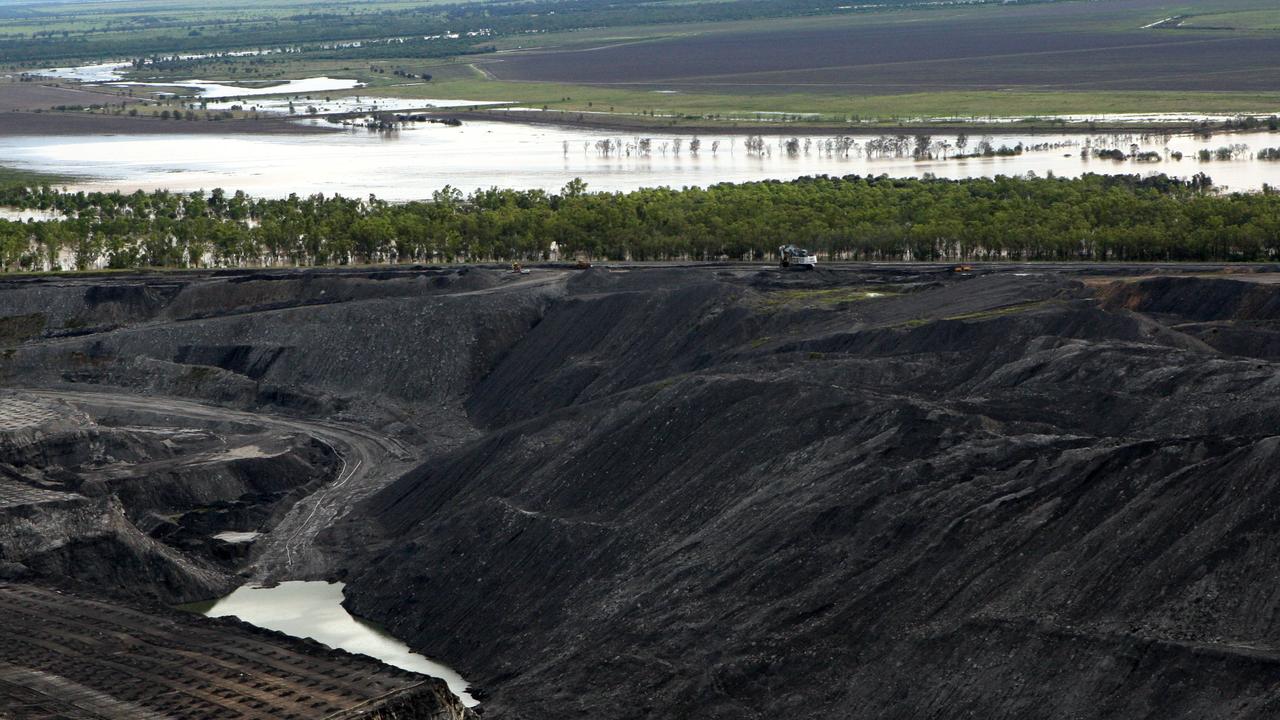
1003, 497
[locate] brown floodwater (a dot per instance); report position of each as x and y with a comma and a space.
414, 162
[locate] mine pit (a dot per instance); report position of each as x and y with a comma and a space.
704, 490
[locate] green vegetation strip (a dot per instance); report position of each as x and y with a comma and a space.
17, 177
983, 314
1000, 312
1092, 218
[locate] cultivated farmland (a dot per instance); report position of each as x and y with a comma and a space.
1054, 47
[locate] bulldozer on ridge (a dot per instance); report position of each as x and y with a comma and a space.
790, 256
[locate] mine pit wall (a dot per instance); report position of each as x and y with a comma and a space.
389, 349
696, 501
70, 306
54, 525
177, 485
133, 510
291, 346
298, 471
1232, 317
185, 507
92, 542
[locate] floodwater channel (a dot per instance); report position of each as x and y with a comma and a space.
314, 610
413, 162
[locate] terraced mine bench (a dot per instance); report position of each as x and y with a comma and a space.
66, 656
15, 494
16, 414
22, 422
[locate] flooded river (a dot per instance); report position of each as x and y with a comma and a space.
314, 610
413, 162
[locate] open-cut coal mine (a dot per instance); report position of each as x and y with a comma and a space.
702, 491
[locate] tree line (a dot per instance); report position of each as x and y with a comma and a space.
1093, 218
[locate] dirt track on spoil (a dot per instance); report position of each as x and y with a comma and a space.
369, 460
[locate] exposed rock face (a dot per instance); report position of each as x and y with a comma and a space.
1002, 497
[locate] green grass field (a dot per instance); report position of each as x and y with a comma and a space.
15, 176
1266, 20
833, 107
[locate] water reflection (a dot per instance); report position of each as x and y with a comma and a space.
213, 90
413, 162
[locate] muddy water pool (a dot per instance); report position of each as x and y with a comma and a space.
314, 610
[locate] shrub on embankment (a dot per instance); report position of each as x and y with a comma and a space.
1096, 218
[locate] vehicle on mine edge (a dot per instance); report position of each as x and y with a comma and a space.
790, 256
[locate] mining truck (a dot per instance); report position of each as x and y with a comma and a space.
790, 256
